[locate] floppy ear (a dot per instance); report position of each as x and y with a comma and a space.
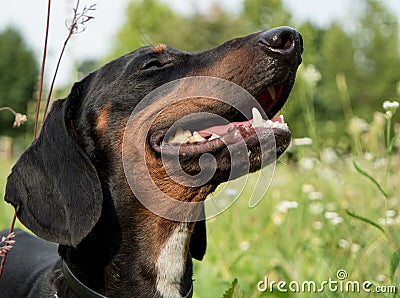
54, 186
198, 241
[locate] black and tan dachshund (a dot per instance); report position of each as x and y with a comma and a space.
70, 187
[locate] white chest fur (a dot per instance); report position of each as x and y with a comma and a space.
171, 262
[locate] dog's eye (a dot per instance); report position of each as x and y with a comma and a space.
154, 64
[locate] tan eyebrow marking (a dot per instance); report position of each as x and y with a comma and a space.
159, 48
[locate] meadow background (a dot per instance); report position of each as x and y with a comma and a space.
302, 229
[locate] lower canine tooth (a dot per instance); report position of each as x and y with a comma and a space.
257, 118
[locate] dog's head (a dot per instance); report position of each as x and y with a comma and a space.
151, 112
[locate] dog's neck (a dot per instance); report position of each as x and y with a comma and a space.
145, 257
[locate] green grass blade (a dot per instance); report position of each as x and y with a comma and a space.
234, 291
394, 262
392, 142
372, 179
366, 220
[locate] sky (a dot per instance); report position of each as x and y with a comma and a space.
96, 41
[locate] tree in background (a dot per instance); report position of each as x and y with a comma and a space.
151, 22
365, 58
147, 23
377, 56
18, 77
264, 14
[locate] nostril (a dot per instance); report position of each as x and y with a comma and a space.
280, 39
285, 41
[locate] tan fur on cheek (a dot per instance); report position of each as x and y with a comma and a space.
102, 120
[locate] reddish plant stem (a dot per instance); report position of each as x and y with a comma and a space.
72, 29
42, 72
35, 131
70, 33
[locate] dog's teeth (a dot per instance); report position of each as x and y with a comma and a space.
283, 120
179, 136
268, 124
213, 137
279, 125
194, 138
271, 91
257, 118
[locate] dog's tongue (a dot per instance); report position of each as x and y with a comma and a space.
223, 129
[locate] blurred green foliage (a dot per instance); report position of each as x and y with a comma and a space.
18, 76
354, 68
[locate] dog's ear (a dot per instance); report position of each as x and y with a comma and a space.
54, 186
198, 241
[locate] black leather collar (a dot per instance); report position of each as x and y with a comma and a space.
85, 292
77, 286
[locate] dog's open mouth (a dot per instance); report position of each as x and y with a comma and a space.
199, 136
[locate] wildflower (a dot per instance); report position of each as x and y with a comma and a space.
19, 119
379, 163
314, 196
390, 213
387, 221
244, 245
397, 220
307, 163
278, 218
390, 106
331, 206
315, 208
302, 141
334, 218
307, 188
337, 220
317, 242
357, 126
284, 206
329, 156
311, 74
317, 225
343, 243
388, 114
381, 278
355, 247
368, 156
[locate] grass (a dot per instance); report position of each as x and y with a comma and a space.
300, 243
310, 242
6, 211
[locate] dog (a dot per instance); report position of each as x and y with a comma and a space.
70, 187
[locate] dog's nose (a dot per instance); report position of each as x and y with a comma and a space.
283, 40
